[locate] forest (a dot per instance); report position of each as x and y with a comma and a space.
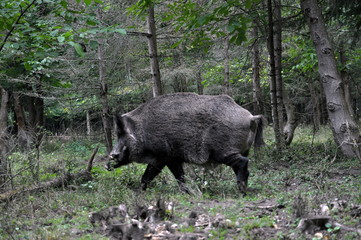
67, 67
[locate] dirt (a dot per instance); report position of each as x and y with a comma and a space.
159, 221
267, 218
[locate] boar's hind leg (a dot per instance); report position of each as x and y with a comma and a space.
178, 172
150, 173
239, 164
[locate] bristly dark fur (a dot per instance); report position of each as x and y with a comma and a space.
185, 127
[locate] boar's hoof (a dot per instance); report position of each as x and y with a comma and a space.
242, 186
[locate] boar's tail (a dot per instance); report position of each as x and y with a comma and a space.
260, 122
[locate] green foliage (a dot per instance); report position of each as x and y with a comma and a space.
200, 23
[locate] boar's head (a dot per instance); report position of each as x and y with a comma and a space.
119, 156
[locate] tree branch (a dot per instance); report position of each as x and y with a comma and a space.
22, 12
139, 34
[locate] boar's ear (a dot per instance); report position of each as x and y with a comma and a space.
119, 125
124, 125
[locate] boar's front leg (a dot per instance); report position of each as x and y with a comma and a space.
150, 173
177, 170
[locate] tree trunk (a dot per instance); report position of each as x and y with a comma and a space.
257, 92
88, 124
3, 135
346, 80
153, 52
35, 106
344, 127
278, 61
23, 138
200, 87
291, 124
179, 83
289, 127
315, 104
226, 85
106, 118
273, 84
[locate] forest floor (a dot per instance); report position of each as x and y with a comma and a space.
307, 191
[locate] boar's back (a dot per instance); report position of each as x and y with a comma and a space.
194, 128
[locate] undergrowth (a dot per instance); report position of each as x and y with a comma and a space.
311, 168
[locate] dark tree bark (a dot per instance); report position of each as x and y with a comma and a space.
179, 83
3, 136
106, 117
39, 116
346, 80
35, 106
273, 83
291, 124
344, 127
278, 61
88, 124
226, 85
153, 52
200, 86
315, 104
23, 138
283, 101
257, 91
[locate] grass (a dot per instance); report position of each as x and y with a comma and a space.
311, 168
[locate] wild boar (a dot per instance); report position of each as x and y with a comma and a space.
187, 128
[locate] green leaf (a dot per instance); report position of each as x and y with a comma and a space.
176, 44
204, 19
15, 45
121, 31
231, 28
78, 48
223, 10
91, 22
248, 4
61, 39
93, 31
68, 34
64, 4
28, 66
87, 2
93, 44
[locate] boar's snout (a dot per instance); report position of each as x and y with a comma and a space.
117, 158
112, 158
114, 155
108, 166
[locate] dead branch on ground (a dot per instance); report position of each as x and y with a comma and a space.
61, 181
